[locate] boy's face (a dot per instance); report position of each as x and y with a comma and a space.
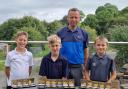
21, 41
100, 47
55, 48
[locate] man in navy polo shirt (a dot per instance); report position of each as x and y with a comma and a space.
74, 45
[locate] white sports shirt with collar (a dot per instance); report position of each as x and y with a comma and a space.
19, 65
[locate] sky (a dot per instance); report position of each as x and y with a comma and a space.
51, 10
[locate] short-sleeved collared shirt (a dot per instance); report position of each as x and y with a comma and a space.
19, 64
100, 68
53, 69
73, 44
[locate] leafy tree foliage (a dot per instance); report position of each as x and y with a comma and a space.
8, 28
54, 26
91, 21
91, 32
101, 21
120, 34
31, 34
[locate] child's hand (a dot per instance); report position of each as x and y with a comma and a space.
64, 78
109, 81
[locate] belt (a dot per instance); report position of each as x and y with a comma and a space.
74, 65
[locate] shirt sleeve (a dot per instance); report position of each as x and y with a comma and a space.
43, 68
88, 66
31, 60
8, 60
113, 66
65, 67
86, 39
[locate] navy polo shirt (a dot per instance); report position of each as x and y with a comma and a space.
100, 68
53, 69
73, 44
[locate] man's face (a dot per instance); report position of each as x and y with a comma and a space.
73, 18
100, 47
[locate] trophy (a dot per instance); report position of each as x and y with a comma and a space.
115, 84
65, 83
89, 84
20, 83
53, 83
25, 82
42, 81
71, 83
48, 83
31, 82
94, 84
83, 83
59, 83
107, 85
14, 83
101, 85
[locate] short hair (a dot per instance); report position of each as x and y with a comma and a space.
54, 39
20, 33
73, 9
101, 38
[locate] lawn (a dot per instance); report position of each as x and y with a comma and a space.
1, 65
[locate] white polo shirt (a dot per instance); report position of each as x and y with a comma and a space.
19, 65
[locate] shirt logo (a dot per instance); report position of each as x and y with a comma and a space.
79, 37
93, 64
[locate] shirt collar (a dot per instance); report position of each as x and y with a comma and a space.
75, 30
104, 56
18, 52
49, 56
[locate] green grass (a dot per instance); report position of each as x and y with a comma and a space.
2, 60
2, 65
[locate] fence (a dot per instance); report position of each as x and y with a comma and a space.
44, 42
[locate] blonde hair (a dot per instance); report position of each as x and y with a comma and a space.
101, 38
20, 33
54, 39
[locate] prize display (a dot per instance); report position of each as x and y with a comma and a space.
23, 83
43, 82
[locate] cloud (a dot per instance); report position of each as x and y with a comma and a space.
50, 9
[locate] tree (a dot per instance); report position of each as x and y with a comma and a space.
54, 26
90, 20
120, 34
101, 21
33, 35
8, 28
91, 32
104, 15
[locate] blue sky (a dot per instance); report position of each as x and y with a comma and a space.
50, 10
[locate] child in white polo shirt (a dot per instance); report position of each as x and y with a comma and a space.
18, 64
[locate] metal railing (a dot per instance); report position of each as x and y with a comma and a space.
44, 42
38, 42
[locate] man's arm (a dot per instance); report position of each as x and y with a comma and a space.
86, 54
86, 72
113, 77
7, 72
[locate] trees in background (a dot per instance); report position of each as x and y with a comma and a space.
120, 34
10, 27
102, 18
